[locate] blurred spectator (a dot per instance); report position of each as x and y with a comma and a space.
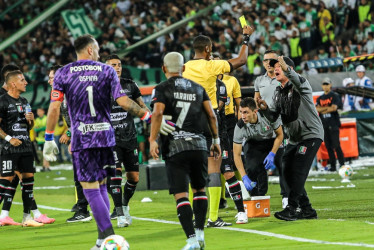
350, 102
365, 82
60, 129
341, 17
39, 128
364, 11
370, 43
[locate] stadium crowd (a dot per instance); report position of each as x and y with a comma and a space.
302, 30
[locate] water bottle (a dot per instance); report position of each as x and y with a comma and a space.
28, 108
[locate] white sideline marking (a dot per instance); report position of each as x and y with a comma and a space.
275, 235
54, 187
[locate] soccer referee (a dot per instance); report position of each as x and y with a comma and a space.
204, 71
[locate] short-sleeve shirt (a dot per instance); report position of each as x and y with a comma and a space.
88, 87
262, 130
205, 73
123, 121
266, 86
329, 119
233, 92
183, 101
14, 123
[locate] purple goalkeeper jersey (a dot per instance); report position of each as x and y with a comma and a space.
88, 86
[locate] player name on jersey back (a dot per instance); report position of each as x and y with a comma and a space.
185, 96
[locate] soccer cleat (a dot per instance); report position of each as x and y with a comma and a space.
114, 216
192, 244
307, 213
287, 214
7, 221
218, 223
44, 219
95, 247
80, 216
31, 223
200, 238
241, 218
223, 204
127, 215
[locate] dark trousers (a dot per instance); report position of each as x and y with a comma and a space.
333, 145
278, 163
297, 160
254, 164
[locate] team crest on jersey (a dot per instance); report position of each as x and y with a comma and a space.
266, 128
302, 150
20, 108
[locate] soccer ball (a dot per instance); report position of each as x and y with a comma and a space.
345, 171
115, 242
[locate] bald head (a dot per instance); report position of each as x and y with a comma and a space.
173, 62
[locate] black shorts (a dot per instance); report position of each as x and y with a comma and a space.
21, 162
185, 167
128, 156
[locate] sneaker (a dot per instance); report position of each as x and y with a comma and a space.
218, 223
192, 244
287, 214
44, 219
113, 215
121, 221
7, 221
200, 238
80, 216
241, 218
126, 212
284, 202
31, 223
223, 204
75, 208
307, 213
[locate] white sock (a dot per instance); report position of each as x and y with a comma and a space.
99, 242
192, 241
4, 213
36, 213
199, 233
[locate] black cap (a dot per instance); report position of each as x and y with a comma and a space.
286, 59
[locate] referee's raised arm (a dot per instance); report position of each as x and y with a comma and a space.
243, 53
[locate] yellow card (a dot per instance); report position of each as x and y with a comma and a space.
242, 20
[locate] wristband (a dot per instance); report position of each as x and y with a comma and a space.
49, 135
68, 133
8, 138
245, 39
216, 140
145, 116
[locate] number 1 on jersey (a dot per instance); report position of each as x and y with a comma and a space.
90, 101
182, 115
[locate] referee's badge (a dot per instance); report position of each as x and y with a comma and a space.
302, 150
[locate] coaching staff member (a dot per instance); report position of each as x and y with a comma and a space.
294, 103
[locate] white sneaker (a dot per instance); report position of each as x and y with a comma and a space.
128, 219
284, 202
192, 244
200, 238
241, 218
121, 221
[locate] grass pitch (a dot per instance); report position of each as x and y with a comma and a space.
346, 219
